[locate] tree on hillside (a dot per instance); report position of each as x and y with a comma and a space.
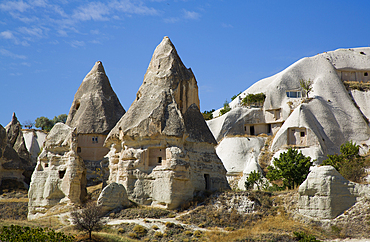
349, 163
47, 124
208, 115
226, 108
28, 124
291, 167
88, 219
44, 123
306, 85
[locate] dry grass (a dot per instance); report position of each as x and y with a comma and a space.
361, 86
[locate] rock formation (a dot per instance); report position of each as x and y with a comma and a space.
94, 112
12, 166
325, 194
34, 140
60, 173
113, 196
16, 140
162, 150
317, 125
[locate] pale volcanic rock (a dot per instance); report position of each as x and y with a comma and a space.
113, 196
325, 194
95, 108
162, 150
60, 174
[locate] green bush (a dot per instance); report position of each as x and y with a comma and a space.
207, 115
15, 233
291, 167
235, 96
253, 178
226, 108
254, 99
303, 237
349, 163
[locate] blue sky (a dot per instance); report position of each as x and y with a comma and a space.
47, 47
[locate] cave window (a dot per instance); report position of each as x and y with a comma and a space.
77, 105
303, 134
268, 128
159, 160
366, 74
46, 165
207, 182
61, 174
95, 139
78, 149
251, 129
294, 94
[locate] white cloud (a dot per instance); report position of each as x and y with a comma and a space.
171, 20
7, 53
95, 31
226, 25
127, 6
36, 32
76, 43
191, 14
7, 35
93, 11
11, 6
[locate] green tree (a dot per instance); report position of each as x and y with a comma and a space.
207, 115
61, 118
253, 178
235, 96
226, 108
291, 167
44, 123
257, 99
306, 85
349, 163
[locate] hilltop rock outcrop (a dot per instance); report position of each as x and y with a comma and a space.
60, 173
162, 150
113, 196
325, 194
94, 112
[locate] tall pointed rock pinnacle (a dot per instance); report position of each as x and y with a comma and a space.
95, 108
165, 100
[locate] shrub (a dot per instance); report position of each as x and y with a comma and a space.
291, 167
140, 230
23, 234
207, 115
197, 233
158, 234
253, 178
303, 237
254, 99
306, 85
235, 96
349, 163
226, 108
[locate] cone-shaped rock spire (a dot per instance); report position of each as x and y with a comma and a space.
95, 108
161, 107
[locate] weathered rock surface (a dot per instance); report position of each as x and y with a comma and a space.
113, 196
94, 112
60, 174
95, 108
34, 140
325, 194
12, 166
162, 150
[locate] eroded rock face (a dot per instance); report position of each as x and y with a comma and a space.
95, 108
60, 174
113, 196
12, 166
325, 194
162, 150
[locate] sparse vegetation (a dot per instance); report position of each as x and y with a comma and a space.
226, 108
349, 163
306, 85
15, 233
353, 85
235, 96
291, 167
256, 100
47, 124
254, 178
208, 115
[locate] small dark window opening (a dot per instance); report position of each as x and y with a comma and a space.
366, 74
206, 179
159, 160
77, 105
268, 128
46, 165
61, 174
78, 149
251, 129
303, 134
245, 128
